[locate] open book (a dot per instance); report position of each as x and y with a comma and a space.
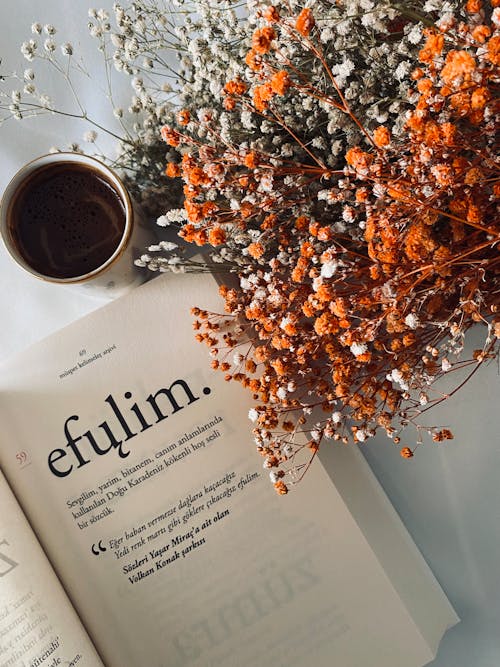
139, 529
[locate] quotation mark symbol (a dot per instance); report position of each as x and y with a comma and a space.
98, 548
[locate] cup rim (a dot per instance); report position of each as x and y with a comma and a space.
71, 157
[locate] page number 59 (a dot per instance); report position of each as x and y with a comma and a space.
22, 458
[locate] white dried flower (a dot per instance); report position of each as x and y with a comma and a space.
329, 268
423, 398
94, 30
67, 49
358, 349
46, 103
90, 136
445, 365
168, 246
336, 417
28, 49
412, 321
415, 35
49, 45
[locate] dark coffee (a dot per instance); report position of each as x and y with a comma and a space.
66, 220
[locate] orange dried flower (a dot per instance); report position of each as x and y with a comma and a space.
425, 86
216, 236
458, 64
272, 14
480, 97
229, 103
235, 87
208, 208
281, 487
280, 82
305, 22
494, 50
173, 170
195, 176
381, 136
448, 133
183, 117
261, 96
170, 136
443, 434
358, 158
473, 6
194, 211
246, 209
262, 38
253, 60
255, 250
251, 160
481, 33
432, 47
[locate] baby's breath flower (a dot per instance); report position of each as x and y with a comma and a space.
162, 221
49, 45
67, 49
411, 321
90, 136
358, 349
28, 49
46, 103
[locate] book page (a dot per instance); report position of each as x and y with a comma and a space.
38, 625
141, 476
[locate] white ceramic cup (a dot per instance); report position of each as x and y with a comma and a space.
117, 274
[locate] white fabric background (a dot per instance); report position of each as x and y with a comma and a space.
448, 495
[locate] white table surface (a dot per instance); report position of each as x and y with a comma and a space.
448, 495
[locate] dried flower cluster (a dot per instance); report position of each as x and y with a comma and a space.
339, 159
360, 273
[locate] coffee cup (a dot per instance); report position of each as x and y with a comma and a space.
68, 219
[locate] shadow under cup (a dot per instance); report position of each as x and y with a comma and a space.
67, 218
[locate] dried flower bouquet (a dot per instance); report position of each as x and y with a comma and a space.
340, 159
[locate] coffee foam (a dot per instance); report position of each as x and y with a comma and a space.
67, 220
